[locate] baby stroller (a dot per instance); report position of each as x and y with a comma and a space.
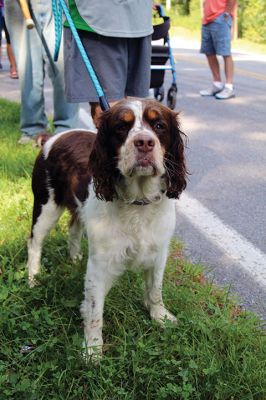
160, 55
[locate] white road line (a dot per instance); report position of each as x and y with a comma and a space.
250, 258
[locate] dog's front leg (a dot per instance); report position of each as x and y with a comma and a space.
153, 291
97, 284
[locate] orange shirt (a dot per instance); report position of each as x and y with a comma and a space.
212, 9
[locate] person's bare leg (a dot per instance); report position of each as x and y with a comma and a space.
11, 58
228, 91
228, 69
214, 67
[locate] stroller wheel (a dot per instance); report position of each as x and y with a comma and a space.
171, 96
159, 93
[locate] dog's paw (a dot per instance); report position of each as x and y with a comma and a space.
32, 282
160, 314
92, 351
75, 257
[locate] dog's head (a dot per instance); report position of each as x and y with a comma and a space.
138, 138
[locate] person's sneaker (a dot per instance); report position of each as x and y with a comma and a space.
212, 91
225, 94
25, 139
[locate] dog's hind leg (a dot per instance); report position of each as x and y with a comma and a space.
75, 234
45, 217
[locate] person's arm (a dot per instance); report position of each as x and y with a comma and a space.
230, 6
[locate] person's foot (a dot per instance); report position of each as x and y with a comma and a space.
37, 140
212, 91
225, 94
25, 139
13, 75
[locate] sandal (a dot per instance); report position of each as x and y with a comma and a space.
14, 75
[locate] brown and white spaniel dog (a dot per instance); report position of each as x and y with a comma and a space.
119, 184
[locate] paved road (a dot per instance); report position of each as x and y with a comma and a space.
221, 217
227, 160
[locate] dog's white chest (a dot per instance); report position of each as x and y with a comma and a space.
130, 236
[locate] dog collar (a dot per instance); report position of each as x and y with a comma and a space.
141, 202
145, 201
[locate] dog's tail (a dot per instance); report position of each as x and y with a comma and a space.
42, 139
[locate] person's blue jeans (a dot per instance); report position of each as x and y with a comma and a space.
32, 62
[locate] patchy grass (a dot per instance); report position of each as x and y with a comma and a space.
217, 351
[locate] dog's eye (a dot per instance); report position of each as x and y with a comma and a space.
158, 126
121, 130
122, 126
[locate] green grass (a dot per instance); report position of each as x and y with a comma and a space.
217, 351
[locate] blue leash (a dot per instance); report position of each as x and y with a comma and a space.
58, 14
59, 6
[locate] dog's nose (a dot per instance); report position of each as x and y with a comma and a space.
144, 144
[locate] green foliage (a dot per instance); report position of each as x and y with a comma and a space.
190, 22
194, 7
184, 14
253, 19
242, 5
216, 352
183, 7
180, 7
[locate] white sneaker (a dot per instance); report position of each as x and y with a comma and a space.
25, 139
225, 94
212, 91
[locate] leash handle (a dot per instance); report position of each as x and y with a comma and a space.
102, 98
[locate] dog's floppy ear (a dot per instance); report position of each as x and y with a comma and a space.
102, 162
175, 160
